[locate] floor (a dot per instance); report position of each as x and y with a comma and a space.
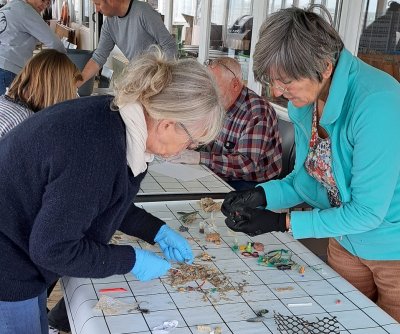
317, 246
55, 296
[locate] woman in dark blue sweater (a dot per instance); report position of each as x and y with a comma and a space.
68, 176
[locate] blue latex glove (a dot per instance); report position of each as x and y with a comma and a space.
174, 246
149, 265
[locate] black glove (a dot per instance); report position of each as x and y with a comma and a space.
238, 200
256, 221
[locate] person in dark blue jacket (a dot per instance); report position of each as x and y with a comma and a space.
68, 176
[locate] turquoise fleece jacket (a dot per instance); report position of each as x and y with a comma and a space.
362, 118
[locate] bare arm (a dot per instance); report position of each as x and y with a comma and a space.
90, 69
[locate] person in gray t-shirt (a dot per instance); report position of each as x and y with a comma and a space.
131, 25
21, 28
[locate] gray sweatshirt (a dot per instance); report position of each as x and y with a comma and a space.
134, 33
21, 28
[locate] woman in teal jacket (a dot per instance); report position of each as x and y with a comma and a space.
346, 116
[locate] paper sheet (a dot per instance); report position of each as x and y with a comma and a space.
178, 171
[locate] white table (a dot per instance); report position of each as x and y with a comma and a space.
158, 184
319, 287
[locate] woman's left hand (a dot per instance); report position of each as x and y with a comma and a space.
173, 245
256, 221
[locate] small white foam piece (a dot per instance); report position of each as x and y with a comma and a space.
166, 327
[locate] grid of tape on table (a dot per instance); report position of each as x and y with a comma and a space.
167, 178
237, 284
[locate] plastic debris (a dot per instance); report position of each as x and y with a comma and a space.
166, 327
284, 288
209, 205
204, 256
112, 306
204, 328
260, 316
209, 330
214, 238
187, 217
183, 228
201, 227
258, 246
294, 325
257, 319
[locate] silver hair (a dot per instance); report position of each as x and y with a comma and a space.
295, 43
179, 90
231, 64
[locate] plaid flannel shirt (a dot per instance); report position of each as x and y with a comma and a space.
249, 145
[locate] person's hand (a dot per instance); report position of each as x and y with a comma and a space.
79, 83
149, 265
238, 200
189, 157
256, 221
174, 246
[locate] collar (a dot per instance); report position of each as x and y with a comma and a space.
127, 12
239, 102
132, 115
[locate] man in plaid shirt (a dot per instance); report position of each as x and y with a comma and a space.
248, 148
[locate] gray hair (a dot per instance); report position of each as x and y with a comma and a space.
295, 43
179, 90
232, 64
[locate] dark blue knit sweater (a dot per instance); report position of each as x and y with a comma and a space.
65, 188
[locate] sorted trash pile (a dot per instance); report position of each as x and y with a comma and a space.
184, 274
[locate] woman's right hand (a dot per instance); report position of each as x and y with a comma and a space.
238, 200
149, 265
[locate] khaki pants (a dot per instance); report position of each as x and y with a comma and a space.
378, 280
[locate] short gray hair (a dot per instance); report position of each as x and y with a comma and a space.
179, 90
232, 64
295, 43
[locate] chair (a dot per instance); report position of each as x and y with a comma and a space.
286, 131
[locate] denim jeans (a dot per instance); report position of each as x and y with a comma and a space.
24, 317
6, 78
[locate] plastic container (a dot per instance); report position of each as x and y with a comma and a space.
80, 58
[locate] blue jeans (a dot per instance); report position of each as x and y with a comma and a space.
24, 317
6, 78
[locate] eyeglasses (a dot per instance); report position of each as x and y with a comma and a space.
214, 62
192, 143
271, 85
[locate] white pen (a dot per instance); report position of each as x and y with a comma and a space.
299, 304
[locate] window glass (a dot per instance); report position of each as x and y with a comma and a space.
237, 9
186, 17
180, 7
379, 43
231, 31
85, 13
